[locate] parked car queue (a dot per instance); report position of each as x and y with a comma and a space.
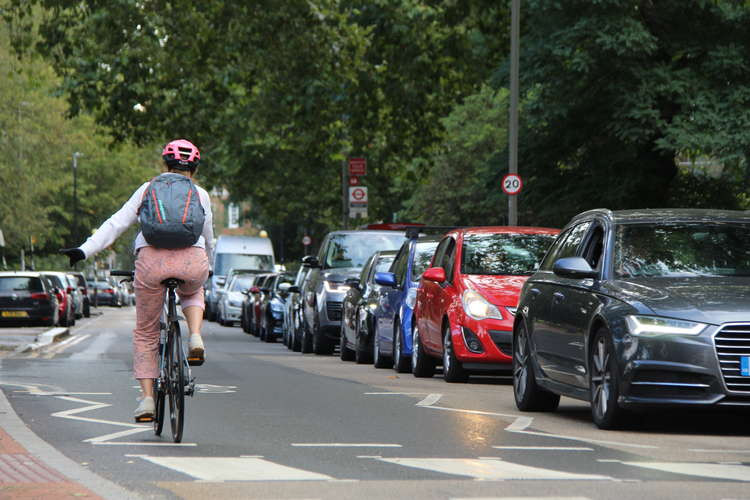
628, 310
51, 298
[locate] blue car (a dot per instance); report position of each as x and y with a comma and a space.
393, 315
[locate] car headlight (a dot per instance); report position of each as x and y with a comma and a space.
335, 286
411, 298
651, 326
477, 306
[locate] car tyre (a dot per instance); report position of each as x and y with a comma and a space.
401, 362
379, 360
321, 345
362, 352
422, 365
345, 353
604, 383
86, 310
528, 395
453, 370
306, 341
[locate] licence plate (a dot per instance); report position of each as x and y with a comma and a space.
15, 314
745, 366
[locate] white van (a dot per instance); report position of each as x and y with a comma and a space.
236, 252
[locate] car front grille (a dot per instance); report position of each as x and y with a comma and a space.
333, 310
503, 340
732, 343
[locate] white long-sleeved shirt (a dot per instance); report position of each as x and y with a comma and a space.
121, 220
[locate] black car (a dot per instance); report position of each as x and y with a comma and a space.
292, 329
635, 310
253, 300
104, 294
27, 297
272, 306
359, 303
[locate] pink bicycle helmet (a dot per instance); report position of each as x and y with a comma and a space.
181, 154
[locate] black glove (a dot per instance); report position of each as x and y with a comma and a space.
74, 254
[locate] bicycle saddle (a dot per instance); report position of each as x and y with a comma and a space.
172, 282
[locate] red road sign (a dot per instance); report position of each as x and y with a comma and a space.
306, 240
353, 180
357, 166
512, 184
358, 195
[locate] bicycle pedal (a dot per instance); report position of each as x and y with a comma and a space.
196, 361
146, 419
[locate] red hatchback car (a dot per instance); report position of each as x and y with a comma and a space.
467, 298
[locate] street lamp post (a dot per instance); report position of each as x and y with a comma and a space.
75, 197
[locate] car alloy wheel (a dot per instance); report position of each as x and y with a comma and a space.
604, 383
453, 371
345, 353
362, 354
528, 395
379, 360
421, 364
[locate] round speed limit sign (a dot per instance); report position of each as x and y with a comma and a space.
512, 184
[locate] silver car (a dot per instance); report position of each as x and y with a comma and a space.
230, 304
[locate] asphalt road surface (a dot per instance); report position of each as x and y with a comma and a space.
268, 423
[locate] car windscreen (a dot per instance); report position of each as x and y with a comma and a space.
242, 283
226, 261
507, 254
353, 249
20, 284
682, 250
422, 257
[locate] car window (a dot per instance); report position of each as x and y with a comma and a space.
566, 245
509, 254
365, 274
439, 252
449, 259
593, 252
20, 284
423, 254
353, 249
398, 268
241, 283
384, 264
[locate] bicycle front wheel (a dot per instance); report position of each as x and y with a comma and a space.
175, 365
159, 400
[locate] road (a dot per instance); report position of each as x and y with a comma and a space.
268, 423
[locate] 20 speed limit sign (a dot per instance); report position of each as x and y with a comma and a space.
512, 184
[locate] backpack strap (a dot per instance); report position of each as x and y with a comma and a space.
145, 193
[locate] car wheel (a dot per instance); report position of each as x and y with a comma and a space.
379, 360
210, 313
453, 370
86, 310
528, 395
362, 352
604, 383
345, 353
422, 365
320, 344
297, 339
306, 341
401, 363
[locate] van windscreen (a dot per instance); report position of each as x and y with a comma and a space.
226, 261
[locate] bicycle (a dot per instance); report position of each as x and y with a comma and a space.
175, 379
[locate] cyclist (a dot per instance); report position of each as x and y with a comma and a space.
152, 266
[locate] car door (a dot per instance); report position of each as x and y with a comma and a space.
441, 298
548, 294
388, 298
423, 308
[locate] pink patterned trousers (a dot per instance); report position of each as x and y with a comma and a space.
153, 266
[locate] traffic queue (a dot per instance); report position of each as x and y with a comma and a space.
629, 310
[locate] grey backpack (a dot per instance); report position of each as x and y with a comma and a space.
171, 214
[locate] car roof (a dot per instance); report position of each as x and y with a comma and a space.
386, 253
507, 230
367, 231
22, 274
666, 214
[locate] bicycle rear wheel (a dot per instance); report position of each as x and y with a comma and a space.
176, 376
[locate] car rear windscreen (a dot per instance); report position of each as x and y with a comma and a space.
353, 249
507, 254
226, 261
20, 284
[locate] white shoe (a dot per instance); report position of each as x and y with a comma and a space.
196, 352
145, 411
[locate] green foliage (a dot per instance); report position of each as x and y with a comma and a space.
619, 89
38, 141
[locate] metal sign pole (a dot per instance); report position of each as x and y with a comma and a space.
513, 121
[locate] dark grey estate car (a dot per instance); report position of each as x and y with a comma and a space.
635, 310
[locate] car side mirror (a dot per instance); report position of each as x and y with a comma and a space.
436, 274
294, 289
574, 268
265, 290
284, 287
386, 279
311, 262
220, 281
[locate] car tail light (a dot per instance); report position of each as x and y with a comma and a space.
40, 296
69, 289
109, 290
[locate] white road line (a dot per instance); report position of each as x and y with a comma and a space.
544, 448
143, 443
58, 348
430, 400
710, 470
698, 450
346, 445
493, 470
394, 393
115, 435
520, 424
473, 412
587, 440
235, 469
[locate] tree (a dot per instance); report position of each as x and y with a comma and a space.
617, 89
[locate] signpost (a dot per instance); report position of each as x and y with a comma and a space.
357, 167
306, 240
512, 184
357, 202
